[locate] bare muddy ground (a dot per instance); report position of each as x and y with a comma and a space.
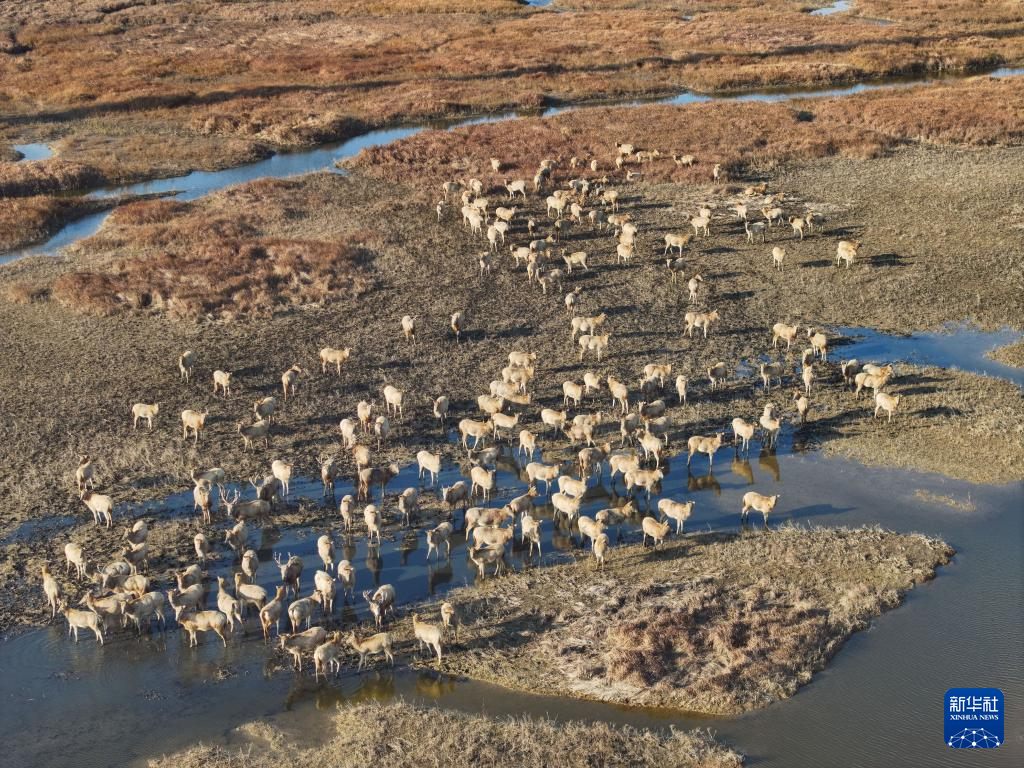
710, 623
79, 374
400, 735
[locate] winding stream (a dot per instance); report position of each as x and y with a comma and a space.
964, 628
323, 158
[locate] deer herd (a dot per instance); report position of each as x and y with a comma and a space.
632, 438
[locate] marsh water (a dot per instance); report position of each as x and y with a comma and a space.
323, 158
878, 703
839, 6
33, 151
960, 346
880, 698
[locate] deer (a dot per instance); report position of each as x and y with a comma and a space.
291, 572
85, 473
330, 470
290, 380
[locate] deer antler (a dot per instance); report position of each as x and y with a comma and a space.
229, 501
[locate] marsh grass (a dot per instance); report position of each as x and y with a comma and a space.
401, 735
311, 71
35, 177
215, 259
711, 622
977, 112
225, 277
1010, 354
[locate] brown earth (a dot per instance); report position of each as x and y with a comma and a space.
78, 374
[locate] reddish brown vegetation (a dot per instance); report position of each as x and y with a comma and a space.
41, 176
936, 12
230, 255
658, 636
25, 220
28, 220
982, 111
24, 293
133, 93
224, 277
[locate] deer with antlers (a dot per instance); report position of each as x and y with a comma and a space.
257, 510
291, 572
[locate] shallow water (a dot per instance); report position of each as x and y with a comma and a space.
33, 151
878, 703
964, 628
839, 6
37, 526
323, 158
958, 346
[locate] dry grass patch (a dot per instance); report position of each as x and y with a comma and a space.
233, 254
128, 149
28, 220
34, 177
978, 112
400, 7
25, 220
224, 276
401, 735
25, 293
961, 504
713, 623
1010, 354
935, 12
